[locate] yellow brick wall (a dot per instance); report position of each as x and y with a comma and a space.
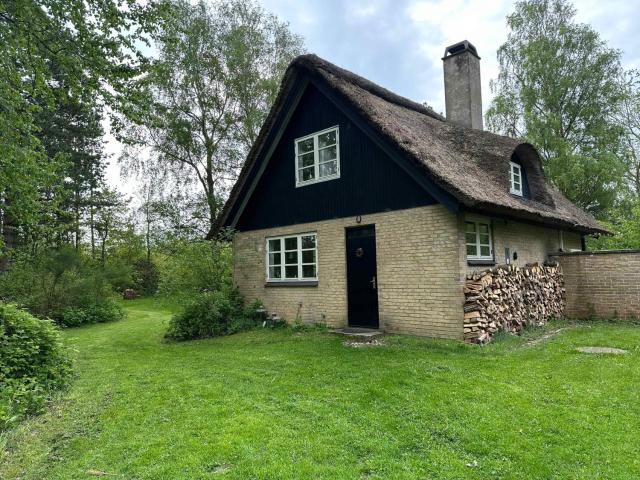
533, 243
419, 283
604, 284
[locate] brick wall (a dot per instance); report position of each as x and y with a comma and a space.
419, 281
602, 283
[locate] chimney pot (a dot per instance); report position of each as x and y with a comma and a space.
462, 91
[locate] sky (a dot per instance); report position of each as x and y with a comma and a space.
399, 44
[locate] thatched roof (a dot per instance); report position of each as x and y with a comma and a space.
471, 165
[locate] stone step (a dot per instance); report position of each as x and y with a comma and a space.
361, 333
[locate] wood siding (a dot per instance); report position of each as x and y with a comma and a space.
369, 182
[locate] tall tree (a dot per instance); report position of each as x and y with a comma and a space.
90, 45
109, 218
71, 130
628, 117
206, 96
558, 88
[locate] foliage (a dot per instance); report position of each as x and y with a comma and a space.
52, 51
628, 116
146, 277
200, 107
559, 88
212, 314
188, 269
407, 409
106, 311
624, 223
33, 363
71, 133
59, 284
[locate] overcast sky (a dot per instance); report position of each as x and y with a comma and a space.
399, 43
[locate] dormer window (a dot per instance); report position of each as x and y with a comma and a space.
515, 178
318, 157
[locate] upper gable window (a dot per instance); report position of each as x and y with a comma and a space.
515, 174
318, 157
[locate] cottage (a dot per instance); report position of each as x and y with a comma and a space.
358, 207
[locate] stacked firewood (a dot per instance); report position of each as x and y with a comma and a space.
509, 298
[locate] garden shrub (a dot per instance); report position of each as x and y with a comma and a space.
61, 284
190, 269
106, 311
145, 277
212, 314
33, 363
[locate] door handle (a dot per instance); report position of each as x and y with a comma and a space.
373, 283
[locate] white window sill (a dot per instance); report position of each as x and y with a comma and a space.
323, 179
291, 283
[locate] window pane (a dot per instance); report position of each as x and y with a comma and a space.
470, 238
305, 160
291, 271
274, 245
484, 228
308, 256
327, 154
309, 241
309, 271
328, 169
275, 272
275, 258
484, 239
306, 174
485, 251
470, 227
291, 243
472, 250
305, 145
328, 138
291, 258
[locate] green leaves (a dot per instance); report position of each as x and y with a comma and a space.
558, 88
54, 53
203, 101
33, 363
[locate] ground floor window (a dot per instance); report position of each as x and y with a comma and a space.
292, 258
478, 240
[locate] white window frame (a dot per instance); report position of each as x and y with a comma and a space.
300, 263
477, 244
316, 157
515, 169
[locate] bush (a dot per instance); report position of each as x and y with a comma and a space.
145, 277
188, 270
212, 314
33, 363
96, 313
59, 284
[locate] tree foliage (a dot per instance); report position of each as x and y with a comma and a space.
53, 52
628, 117
558, 88
204, 99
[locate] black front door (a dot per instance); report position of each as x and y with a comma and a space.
362, 277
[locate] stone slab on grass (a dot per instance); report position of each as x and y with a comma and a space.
615, 351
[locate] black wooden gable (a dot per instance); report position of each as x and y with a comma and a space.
373, 177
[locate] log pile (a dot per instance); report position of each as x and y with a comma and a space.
509, 298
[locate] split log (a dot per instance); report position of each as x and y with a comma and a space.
510, 298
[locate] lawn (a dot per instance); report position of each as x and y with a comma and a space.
279, 404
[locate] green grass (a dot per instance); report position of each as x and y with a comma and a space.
278, 405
